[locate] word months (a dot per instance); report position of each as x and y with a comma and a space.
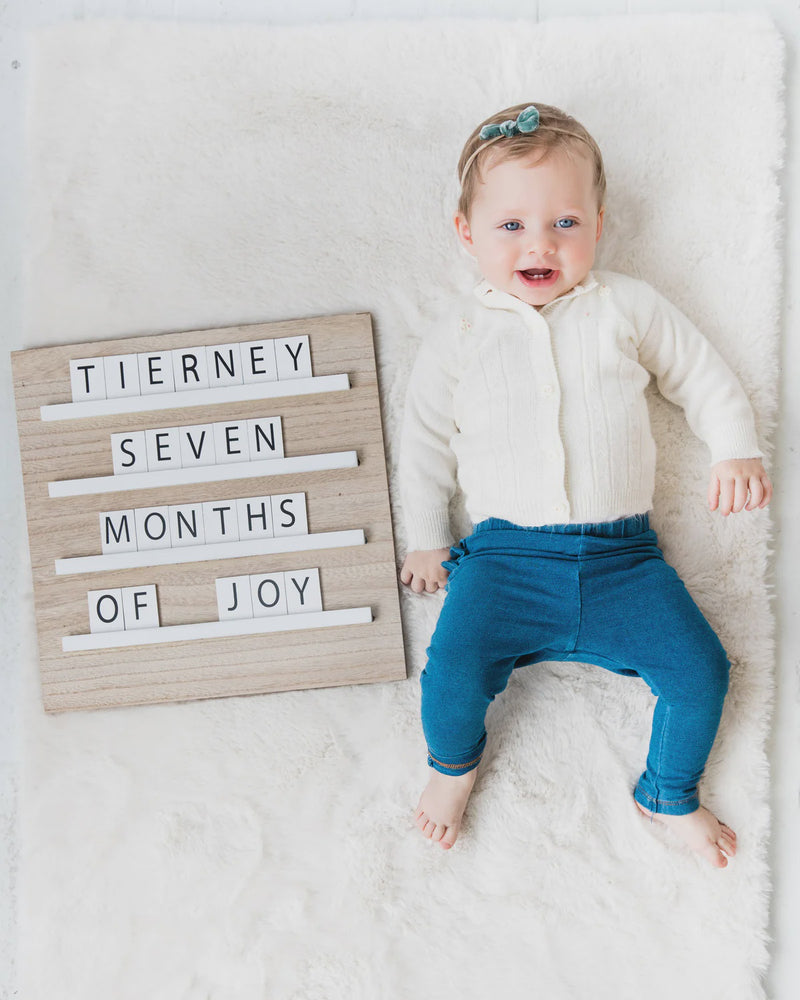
189, 368
197, 445
267, 594
242, 519
123, 609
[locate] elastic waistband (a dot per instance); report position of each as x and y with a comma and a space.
623, 527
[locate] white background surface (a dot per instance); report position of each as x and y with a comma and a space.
19, 16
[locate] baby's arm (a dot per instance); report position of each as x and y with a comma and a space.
691, 373
732, 481
428, 467
423, 570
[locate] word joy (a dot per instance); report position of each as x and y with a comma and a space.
190, 368
196, 445
267, 594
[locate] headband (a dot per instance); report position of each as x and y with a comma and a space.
526, 122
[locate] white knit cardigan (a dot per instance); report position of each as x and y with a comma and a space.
540, 415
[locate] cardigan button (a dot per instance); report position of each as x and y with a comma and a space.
547, 389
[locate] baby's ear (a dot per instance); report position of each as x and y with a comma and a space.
463, 230
600, 218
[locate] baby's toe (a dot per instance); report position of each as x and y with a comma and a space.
439, 832
714, 855
449, 837
429, 829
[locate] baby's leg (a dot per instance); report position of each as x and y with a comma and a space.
691, 687
496, 614
458, 684
640, 616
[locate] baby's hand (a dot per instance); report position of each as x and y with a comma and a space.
732, 481
423, 570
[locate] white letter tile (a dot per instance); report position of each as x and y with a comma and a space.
140, 607
255, 517
186, 525
234, 599
289, 515
118, 531
221, 521
129, 452
224, 364
122, 375
163, 448
189, 368
197, 445
105, 611
303, 591
87, 376
152, 528
293, 357
269, 597
258, 361
155, 373
230, 441
265, 435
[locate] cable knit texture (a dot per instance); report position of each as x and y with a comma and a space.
540, 415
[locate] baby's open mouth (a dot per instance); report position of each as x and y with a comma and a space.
537, 273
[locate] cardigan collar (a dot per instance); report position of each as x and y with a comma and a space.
495, 299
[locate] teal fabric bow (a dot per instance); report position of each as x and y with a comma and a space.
527, 121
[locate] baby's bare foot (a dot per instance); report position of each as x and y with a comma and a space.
442, 805
702, 832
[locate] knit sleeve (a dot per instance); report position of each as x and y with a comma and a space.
427, 463
691, 373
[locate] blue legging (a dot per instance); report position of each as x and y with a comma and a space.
596, 593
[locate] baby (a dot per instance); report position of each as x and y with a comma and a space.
532, 401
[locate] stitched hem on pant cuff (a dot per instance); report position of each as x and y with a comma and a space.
675, 807
454, 769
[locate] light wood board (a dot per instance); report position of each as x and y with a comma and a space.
337, 500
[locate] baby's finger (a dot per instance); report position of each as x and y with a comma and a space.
713, 493
756, 493
740, 494
726, 496
767, 491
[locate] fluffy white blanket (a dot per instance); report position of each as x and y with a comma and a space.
189, 176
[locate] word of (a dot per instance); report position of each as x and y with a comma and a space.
190, 368
196, 445
145, 528
119, 610
269, 594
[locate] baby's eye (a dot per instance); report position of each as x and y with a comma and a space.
565, 223
511, 227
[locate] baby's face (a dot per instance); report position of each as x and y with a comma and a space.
534, 225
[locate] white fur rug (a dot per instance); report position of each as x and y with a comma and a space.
263, 848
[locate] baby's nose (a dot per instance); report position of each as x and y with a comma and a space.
541, 245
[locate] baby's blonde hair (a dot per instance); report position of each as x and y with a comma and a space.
557, 131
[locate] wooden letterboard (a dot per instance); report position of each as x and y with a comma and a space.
103, 503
